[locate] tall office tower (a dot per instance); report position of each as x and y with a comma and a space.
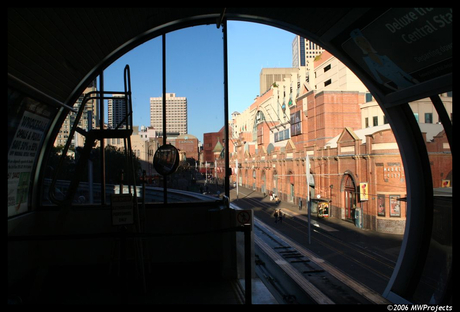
116, 112
91, 110
176, 114
304, 52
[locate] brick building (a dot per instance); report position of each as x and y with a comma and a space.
365, 157
356, 168
212, 142
188, 144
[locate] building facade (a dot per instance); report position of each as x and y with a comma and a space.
91, 113
116, 112
176, 114
304, 52
188, 145
143, 144
355, 164
423, 110
268, 76
213, 144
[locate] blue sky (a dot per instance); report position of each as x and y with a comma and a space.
194, 62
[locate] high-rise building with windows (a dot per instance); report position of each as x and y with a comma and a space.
176, 114
304, 52
116, 112
90, 113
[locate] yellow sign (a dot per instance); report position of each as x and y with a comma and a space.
363, 191
445, 183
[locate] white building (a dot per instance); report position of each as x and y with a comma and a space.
268, 76
176, 114
332, 75
423, 110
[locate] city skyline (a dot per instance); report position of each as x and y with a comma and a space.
195, 70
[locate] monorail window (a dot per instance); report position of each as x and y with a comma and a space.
194, 125
436, 134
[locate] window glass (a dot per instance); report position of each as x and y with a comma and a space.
431, 287
194, 79
194, 124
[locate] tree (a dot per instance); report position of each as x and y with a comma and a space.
115, 161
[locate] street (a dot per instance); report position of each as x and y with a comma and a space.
365, 256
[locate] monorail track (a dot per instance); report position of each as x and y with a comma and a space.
316, 280
295, 274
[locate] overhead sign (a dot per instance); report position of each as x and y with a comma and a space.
122, 209
425, 32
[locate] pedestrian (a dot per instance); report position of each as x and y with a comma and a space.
271, 195
280, 216
276, 216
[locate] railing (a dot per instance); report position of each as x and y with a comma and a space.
97, 134
152, 194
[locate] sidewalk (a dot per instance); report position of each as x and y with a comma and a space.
387, 245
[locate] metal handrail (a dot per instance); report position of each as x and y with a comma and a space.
93, 135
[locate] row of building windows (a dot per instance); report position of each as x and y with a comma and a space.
281, 135
428, 117
375, 119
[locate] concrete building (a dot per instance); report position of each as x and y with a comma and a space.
268, 76
92, 107
176, 114
143, 146
331, 74
116, 112
423, 109
304, 52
